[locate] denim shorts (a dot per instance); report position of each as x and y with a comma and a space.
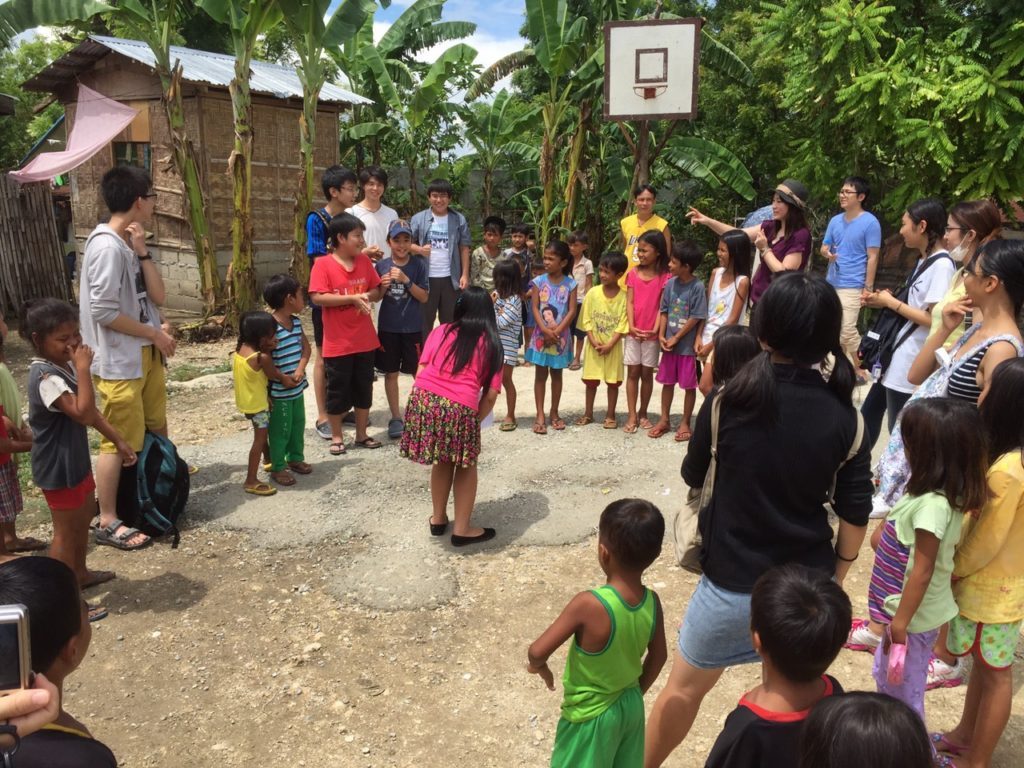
716, 628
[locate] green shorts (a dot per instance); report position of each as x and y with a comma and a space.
613, 739
994, 644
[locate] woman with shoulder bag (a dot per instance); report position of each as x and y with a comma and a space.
784, 439
924, 224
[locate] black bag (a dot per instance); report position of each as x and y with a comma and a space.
151, 496
890, 330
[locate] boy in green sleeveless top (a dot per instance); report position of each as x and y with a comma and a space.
606, 672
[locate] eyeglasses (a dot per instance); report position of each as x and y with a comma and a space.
847, 192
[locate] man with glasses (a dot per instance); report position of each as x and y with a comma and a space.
851, 246
120, 293
339, 185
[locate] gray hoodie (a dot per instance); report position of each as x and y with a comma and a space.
112, 284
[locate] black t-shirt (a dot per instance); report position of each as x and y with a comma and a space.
758, 738
61, 748
773, 476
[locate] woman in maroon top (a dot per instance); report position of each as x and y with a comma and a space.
783, 242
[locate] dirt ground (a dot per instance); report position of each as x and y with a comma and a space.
325, 627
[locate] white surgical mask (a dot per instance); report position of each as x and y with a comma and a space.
960, 252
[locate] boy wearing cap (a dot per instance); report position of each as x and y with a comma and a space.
399, 325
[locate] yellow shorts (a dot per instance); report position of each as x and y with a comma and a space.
134, 405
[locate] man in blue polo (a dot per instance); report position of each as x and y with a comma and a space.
851, 246
441, 237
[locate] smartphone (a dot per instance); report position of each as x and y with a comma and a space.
15, 651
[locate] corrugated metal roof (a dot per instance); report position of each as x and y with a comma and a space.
197, 67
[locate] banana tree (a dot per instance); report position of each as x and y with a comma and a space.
412, 109
382, 70
155, 23
313, 33
493, 131
246, 20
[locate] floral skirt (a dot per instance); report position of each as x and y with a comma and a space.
439, 431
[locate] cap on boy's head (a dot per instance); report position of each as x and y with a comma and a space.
632, 530
398, 227
802, 618
49, 590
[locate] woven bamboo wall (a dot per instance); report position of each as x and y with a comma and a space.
31, 257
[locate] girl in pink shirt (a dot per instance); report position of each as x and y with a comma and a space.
458, 380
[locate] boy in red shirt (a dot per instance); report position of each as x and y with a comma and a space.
345, 284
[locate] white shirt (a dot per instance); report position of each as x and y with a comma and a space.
440, 264
927, 290
377, 224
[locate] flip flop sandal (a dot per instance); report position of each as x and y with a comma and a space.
261, 489
611, 424
574, 366
583, 421
109, 536
282, 478
99, 577
301, 468
645, 424
630, 429
369, 442
28, 544
557, 424
508, 426
941, 744
683, 435
338, 449
97, 612
540, 429
657, 431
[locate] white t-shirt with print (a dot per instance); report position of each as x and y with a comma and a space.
926, 290
440, 263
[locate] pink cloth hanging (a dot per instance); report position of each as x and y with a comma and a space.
97, 121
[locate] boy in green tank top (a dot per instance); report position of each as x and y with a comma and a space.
612, 627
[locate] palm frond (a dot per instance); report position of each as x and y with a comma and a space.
500, 69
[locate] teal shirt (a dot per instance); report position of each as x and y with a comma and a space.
592, 682
932, 513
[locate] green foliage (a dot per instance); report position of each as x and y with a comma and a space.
23, 129
21, 15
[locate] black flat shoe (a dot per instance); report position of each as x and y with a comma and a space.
461, 541
438, 529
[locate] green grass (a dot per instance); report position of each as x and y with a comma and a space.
188, 371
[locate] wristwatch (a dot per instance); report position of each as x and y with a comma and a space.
147, 256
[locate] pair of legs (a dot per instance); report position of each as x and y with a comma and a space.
509, 385
286, 439
676, 708
72, 509
11, 505
985, 715
664, 423
260, 435
398, 353
849, 336
349, 387
881, 401
639, 380
446, 478
540, 382
440, 303
132, 406
591, 395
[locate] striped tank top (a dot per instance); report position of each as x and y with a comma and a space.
963, 376
286, 358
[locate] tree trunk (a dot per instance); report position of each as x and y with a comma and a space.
488, 189
547, 171
304, 198
243, 276
195, 199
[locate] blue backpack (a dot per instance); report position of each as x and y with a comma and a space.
161, 492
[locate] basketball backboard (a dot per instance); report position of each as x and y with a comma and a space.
651, 69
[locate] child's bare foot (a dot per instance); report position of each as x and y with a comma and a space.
284, 477
610, 422
645, 423
659, 429
539, 428
556, 422
25, 544
95, 578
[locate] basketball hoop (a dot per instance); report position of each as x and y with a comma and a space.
649, 91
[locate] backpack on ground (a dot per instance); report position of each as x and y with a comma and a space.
161, 487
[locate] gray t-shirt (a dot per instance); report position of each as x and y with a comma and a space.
60, 445
681, 301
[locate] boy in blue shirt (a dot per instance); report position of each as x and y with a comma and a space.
405, 283
851, 246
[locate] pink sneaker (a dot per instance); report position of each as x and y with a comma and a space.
943, 675
861, 638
